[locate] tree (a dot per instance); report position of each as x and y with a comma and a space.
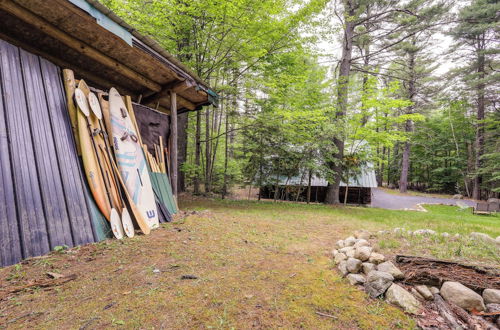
475, 33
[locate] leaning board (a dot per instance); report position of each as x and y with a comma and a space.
130, 158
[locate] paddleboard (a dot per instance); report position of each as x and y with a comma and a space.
89, 157
130, 159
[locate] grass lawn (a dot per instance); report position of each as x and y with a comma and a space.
257, 264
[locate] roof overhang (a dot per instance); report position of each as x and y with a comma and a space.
101, 48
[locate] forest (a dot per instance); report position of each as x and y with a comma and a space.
329, 86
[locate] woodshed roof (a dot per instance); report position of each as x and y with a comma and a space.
98, 46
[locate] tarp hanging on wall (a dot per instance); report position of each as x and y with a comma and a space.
42, 199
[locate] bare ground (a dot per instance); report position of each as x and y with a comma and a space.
247, 267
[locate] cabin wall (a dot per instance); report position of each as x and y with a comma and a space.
43, 202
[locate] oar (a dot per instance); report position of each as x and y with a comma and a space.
128, 226
114, 217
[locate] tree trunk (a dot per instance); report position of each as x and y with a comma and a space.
197, 153
309, 187
208, 156
405, 164
226, 156
332, 194
476, 190
182, 130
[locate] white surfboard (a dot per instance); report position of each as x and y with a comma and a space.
130, 159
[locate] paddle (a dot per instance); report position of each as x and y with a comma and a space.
114, 219
128, 226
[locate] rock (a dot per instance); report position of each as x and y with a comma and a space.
425, 292
462, 296
343, 268
493, 308
376, 258
491, 296
390, 268
434, 290
360, 243
445, 235
398, 230
345, 249
351, 253
456, 236
356, 279
349, 241
424, 232
417, 294
482, 237
493, 200
339, 257
367, 267
458, 196
497, 239
398, 296
363, 253
340, 244
363, 234
353, 265
335, 252
377, 283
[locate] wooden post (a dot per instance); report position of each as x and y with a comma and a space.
173, 137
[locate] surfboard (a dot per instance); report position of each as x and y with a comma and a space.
130, 158
91, 165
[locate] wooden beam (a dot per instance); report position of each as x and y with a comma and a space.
83, 48
173, 136
175, 86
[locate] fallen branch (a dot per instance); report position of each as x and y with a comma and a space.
23, 316
446, 312
327, 315
38, 284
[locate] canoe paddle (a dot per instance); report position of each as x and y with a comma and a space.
128, 226
114, 219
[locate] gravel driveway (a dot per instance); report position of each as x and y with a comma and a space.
385, 200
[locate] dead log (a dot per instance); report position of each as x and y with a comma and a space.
434, 272
447, 314
44, 283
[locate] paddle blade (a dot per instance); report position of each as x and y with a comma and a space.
128, 226
95, 106
81, 101
116, 224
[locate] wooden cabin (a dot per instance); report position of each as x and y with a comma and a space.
295, 188
44, 198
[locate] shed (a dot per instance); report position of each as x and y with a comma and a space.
296, 187
44, 201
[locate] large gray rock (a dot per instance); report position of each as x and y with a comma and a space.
491, 296
377, 283
353, 265
349, 241
343, 268
344, 250
356, 279
424, 292
339, 257
390, 268
462, 296
417, 294
497, 239
360, 243
483, 237
340, 244
458, 196
434, 290
350, 253
364, 234
398, 296
367, 267
376, 258
363, 253
334, 252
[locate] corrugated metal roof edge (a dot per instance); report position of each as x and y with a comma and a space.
153, 44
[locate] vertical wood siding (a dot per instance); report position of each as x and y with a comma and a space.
42, 200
